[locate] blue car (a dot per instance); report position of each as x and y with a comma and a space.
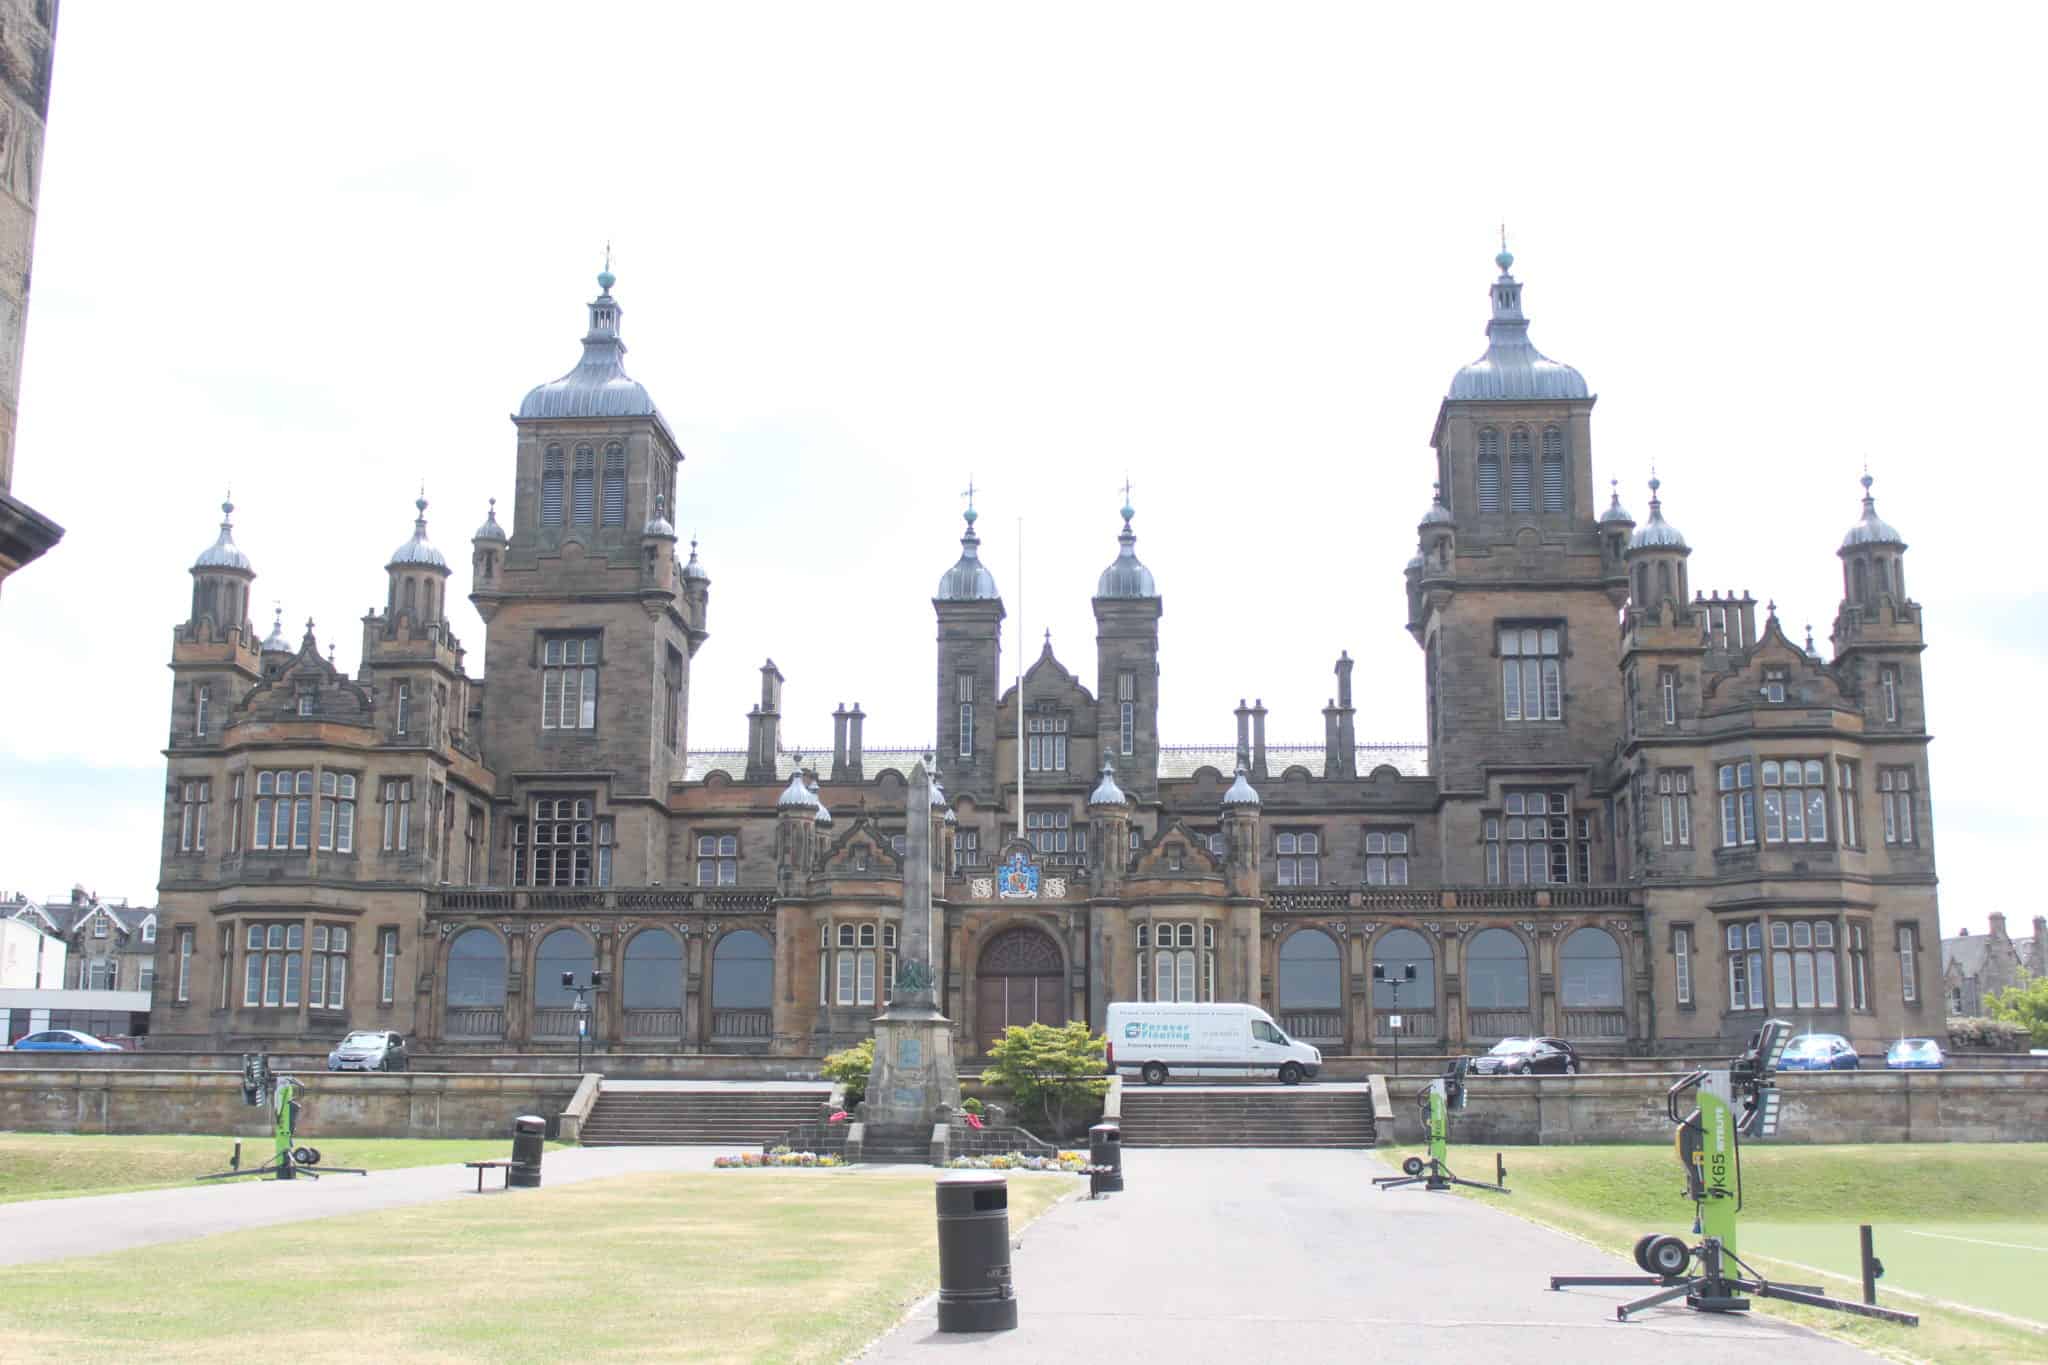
1819, 1052
1914, 1054
64, 1040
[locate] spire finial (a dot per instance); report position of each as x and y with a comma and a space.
1809, 637
1506, 258
227, 506
968, 493
1127, 512
605, 278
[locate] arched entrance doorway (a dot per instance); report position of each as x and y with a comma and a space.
1021, 980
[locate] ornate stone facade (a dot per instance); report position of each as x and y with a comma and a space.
1640, 820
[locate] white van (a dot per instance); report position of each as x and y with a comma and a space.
1154, 1041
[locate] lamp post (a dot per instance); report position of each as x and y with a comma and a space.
1393, 985
582, 1008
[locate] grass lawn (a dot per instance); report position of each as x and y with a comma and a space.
1802, 1205
732, 1266
63, 1165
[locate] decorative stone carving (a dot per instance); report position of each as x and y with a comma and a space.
1368, 928
594, 927
1434, 926
1056, 887
982, 888
1527, 926
447, 928
1466, 926
1620, 926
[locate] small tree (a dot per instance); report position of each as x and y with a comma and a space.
1049, 1069
2025, 1004
850, 1068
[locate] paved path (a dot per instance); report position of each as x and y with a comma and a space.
51, 1229
1216, 1255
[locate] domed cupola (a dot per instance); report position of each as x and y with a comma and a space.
276, 643
798, 796
1871, 530
1126, 578
1241, 793
1873, 559
1438, 514
694, 571
490, 532
658, 527
1107, 792
599, 385
1512, 368
416, 577
1616, 514
969, 580
1657, 533
224, 553
1656, 561
221, 578
419, 552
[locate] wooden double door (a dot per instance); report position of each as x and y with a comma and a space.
1021, 980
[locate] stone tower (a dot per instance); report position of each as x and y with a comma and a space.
970, 612
1127, 611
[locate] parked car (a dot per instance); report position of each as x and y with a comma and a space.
1819, 1052
1915, 1054
370, 1050
64, 1040
1528, 1057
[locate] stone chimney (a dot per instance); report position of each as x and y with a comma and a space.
839, 743
1332, 765
1258, 738
1347, 729
764, 726
1998, 924
1244, 734
855, 719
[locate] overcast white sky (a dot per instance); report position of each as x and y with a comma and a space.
864, 251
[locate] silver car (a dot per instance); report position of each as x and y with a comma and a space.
370, 1050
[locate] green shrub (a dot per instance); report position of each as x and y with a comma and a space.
1993, 1035
2024, 1005
1052, 1070
850, 1069
971, 1105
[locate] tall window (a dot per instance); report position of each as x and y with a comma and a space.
718, 859
966, 849
1681, 962
473, 845
227, 967
1888, 684
192, 799
1169, 967
327, 968
1520, 475
1895, 795
672, 691
1553, 470
583, 488
1738, 804
568, 683
1127, 711
1046, 747
271, 965
1532, 685
1909, 964
1674, 800
559, 840
1845, 788
1745, 966
387, 966
1803, 964
1488, 471
1859, 966
1386, 857
201, 704
1298, 857
338, 812
397, 794
1667, 689
856, 966
185, 965
149, 930
1795, 801
1051, 831
404, 708
235, 814
614, 485
284, 810
963, 687
551, 487
1530, 841
1590, 970
1496, 971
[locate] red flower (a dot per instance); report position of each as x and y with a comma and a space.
839, 1117
974, 1121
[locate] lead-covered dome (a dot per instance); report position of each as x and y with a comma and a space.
599, 385
1126, 577
1656, 533
969, 580
1512, 367
1871, 530
490, 530
224, 553
419, 551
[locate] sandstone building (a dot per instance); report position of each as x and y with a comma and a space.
1642, 816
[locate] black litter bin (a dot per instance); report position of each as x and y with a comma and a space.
1106, 1155
529, 1132
974, 1253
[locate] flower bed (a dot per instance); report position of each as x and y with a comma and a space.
1073, 1162
781, 1156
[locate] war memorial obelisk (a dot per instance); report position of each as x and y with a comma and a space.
914, 1084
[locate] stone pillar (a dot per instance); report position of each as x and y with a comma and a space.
915, 1083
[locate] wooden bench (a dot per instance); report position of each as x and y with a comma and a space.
481, 1166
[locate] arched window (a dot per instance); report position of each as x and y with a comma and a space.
742, 971
1521, 477
551, 487
1489, 470
1496, 971
1391, 953
1311, 975
653, 978
427, 599
583, 488
1642, 585
476, 970
565, 950
1862, 583
614, 485
1591, 970
1553, 470
1884, 584
1663, 580
411, 591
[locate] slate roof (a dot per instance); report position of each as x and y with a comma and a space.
1176, 762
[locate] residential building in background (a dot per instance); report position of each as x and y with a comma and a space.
1974, 966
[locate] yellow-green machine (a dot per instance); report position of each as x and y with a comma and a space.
1438, 1099
1712, 1111
290, 1161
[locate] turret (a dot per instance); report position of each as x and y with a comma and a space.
1109, 819
1656, 562
418, 581
970, 614
796, 819
220, 584
1877, 634
488, 550
1127, 611
1241, 806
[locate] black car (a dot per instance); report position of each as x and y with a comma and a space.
1528, 1057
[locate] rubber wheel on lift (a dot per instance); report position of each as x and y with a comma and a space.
1642, 1250
1667, 1256
1413, 1166
1155, 1073
304, 1156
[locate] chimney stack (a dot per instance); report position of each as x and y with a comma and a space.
1258, 738
1244, 734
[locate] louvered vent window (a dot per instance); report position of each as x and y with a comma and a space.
1489, 471
1553, 470
1520, 476
551, 487
614, 486
583, 488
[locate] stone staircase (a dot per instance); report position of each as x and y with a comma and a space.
897, 1147
735, 1117
1263, 1116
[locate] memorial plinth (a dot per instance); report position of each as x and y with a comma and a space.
915, 1083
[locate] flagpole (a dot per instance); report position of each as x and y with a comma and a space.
1020, 678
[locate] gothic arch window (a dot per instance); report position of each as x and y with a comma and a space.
615, 484
1521, 476
1553, 470
653, 978
1884, 585
583, 488
1590, 970
551, 487
1489, 470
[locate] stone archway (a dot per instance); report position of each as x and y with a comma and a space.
1020, 979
